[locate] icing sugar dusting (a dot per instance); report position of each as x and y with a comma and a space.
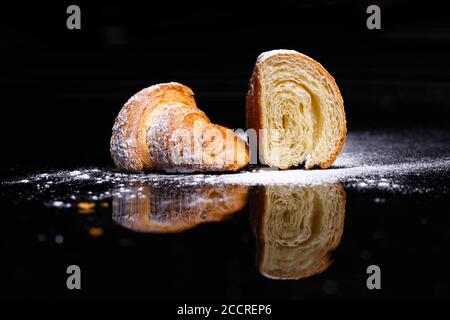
386, 163
265, 55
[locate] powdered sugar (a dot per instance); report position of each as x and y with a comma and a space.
319, 177
265, 55
389, 163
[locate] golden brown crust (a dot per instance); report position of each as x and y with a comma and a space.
254, 116
163, 121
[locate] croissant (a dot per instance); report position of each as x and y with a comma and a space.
296, 228
297, 110
161, 128
172, 209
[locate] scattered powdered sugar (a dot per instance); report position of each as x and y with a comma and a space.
61, 204
387, 163
84, 176
58, 203
372, 175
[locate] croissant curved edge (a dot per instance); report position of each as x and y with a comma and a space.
161, 128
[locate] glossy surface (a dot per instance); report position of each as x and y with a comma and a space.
166, 236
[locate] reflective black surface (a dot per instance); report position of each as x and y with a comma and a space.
62, 89
171, 236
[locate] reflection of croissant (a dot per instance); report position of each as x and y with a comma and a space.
300, 109
170, 209
296, 228
161, 128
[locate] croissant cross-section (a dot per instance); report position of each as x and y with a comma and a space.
297, 110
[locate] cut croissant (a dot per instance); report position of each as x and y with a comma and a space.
169, 208
297, 228
161, 128
297, 110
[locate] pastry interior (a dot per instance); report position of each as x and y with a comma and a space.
300, 112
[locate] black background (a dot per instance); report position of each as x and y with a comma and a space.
61, 89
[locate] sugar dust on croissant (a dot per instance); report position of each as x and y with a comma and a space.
297, 110
161, 128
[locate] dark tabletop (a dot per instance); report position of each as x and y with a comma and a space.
384, 201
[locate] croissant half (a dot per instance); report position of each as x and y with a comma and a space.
297, 110
161, 128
